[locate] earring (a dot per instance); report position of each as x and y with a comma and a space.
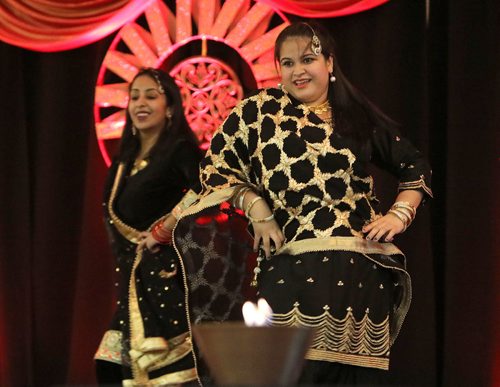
134, 131
332, 78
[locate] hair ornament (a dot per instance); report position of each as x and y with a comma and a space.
315, 42
157, 79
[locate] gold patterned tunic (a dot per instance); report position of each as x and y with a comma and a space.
355, 292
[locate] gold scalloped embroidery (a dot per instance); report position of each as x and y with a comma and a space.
358, 342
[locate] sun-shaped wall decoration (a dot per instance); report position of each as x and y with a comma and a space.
216, 51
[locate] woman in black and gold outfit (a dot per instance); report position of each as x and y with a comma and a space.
294, 160
158, 163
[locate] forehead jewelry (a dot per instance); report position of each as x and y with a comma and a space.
315, 42
157, 79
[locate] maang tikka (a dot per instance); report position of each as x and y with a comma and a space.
157, 79
315, 42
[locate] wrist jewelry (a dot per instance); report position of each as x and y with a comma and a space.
162, 236
241, 197
263, 220
406, 207
251, 204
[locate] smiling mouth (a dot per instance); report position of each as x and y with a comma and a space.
142, 115
301, 82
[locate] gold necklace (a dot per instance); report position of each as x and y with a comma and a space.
139, 165
321, 108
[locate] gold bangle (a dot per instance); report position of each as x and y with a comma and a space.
241, 197
263, 220
406, 205
405, 211
250, 205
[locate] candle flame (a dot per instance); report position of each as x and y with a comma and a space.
257, 314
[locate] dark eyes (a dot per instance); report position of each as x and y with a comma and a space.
135, 97
306, 60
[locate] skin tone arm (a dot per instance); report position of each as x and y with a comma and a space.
269, 232
265, 233
389, 225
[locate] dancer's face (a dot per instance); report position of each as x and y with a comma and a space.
303, 74
147, 105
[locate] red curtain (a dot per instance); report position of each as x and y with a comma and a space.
324, 8
53, 25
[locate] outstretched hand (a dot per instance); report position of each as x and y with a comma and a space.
384, 227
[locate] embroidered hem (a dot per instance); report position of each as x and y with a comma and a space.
110, 348
347, 358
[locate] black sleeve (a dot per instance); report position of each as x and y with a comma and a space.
186, 159
397, 155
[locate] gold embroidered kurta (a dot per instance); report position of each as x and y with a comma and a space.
355, 292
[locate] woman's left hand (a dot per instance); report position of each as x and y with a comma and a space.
147, 242
384, 227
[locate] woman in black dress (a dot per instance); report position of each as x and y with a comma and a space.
148, 341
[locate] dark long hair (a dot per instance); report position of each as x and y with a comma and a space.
175, 130
354, 114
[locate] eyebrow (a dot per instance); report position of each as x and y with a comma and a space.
302, 56
151, 88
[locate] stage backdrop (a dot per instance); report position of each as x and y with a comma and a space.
439, 79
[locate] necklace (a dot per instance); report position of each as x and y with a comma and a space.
138, 165
321, 108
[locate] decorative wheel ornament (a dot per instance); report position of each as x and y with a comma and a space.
216, 51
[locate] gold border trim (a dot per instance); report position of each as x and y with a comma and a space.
173, 378
346, 358
356, 244
416, 185
128, 232
210, 200
156, 352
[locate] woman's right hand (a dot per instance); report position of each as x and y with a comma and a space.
266, 233
147, 242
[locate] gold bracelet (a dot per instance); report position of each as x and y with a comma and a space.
406, 211
406, 205
250, 205
241, 197
263, 220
